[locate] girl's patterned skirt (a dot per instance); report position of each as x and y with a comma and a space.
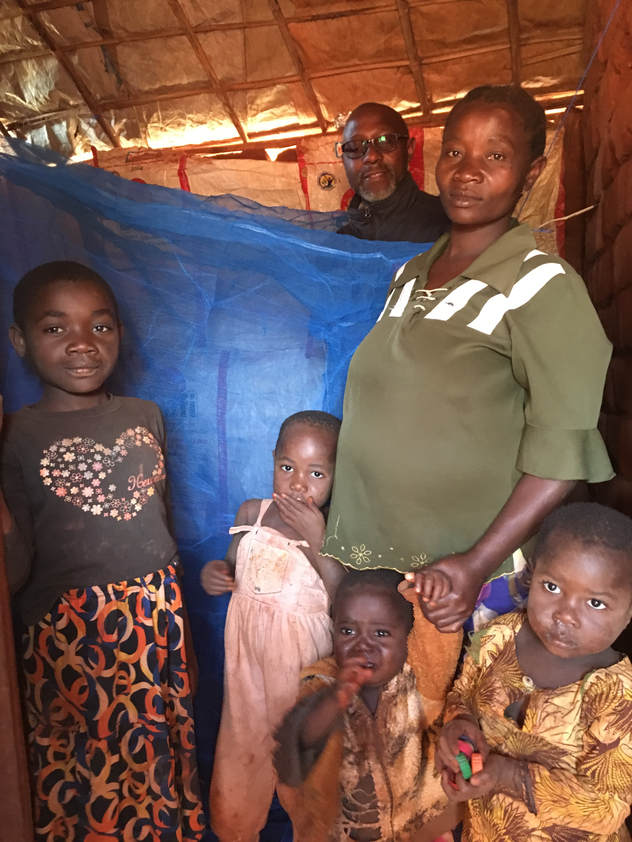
109, 712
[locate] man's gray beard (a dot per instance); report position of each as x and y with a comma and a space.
378, 195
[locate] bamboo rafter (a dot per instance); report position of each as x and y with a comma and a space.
101, 19
194, 89
151, 35
292, 49
513, 26
568, 42
42, 30
178, 91
403, 9
208, 68
386, 5
289, 135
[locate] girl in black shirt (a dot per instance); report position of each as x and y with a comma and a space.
91, 559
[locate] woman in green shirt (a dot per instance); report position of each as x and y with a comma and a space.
471, 407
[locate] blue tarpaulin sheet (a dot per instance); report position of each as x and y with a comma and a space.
235, 317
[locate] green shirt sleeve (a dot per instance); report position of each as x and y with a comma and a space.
560, 355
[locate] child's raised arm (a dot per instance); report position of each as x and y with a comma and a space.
322, 718
218, 576
309, 522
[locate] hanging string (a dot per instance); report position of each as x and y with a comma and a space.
575, 95
546, 230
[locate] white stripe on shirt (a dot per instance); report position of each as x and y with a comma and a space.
399, 271
403, 299
522, 292
390, 295
456, 300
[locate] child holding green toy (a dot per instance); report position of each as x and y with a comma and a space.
545, 701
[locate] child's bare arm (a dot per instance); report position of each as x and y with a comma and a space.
322, 719
218, 576
330, 570
309, 522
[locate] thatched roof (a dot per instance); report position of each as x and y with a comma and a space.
233, 73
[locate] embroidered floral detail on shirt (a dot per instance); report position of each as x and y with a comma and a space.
360, 554
420, 560
82, 488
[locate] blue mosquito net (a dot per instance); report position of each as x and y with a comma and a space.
236, 316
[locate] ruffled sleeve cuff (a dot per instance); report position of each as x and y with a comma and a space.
564, 454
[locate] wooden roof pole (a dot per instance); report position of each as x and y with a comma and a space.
42, 30
99, 18
205, 61
403, 8
155, 34
513, 21
550, 100
292, 49
179, 91
376, 6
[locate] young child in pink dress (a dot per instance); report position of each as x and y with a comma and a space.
278, 618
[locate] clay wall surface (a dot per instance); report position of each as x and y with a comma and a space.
606, 138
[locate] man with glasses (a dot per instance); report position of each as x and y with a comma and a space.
388, 204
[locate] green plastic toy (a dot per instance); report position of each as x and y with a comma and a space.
464, 765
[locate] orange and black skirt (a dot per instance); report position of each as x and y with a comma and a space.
109, 708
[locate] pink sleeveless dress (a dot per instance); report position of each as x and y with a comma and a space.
278, 623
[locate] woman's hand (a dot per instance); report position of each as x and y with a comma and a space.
498, 773
451, 610
519, 519
217, 578
448, 747
304, 518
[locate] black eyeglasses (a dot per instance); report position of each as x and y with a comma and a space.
381, 143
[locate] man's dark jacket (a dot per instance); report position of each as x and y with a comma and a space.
408, 214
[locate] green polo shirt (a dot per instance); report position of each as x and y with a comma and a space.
455, 393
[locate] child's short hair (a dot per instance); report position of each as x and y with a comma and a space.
591, 524
30, 284
314, 417
382, 579
515, 97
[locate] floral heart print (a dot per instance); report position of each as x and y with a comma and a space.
77, 470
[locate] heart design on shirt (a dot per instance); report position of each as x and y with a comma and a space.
77, 470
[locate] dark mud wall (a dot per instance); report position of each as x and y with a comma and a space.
606, 136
